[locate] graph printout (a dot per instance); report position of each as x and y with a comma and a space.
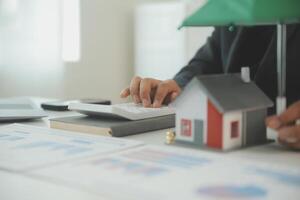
27, 147
155, 172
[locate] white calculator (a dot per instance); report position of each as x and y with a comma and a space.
129, 111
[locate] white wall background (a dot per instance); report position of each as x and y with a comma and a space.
161, 50
30, 59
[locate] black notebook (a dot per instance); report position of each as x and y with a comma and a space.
112, 127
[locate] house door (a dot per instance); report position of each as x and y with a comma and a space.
198, 131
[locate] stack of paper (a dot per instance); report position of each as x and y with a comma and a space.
123, 169
152, 172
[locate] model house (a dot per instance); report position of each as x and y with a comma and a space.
222, 112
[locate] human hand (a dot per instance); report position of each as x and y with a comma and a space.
151, 92
287, 126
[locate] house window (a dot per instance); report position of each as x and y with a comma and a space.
186, 127
234, 129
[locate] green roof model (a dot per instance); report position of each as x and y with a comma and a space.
245, 12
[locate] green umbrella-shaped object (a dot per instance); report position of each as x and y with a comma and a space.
251, 13
245, 12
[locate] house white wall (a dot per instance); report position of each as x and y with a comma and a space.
191, 104
228, 142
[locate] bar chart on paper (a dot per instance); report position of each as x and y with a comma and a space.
148, 161
24, 147
141, 162
166, 158
150, 170
137, 168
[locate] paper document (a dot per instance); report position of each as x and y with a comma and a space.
153, 172
25, 147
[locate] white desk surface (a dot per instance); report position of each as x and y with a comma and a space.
15, 187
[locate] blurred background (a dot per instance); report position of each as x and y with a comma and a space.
78, 49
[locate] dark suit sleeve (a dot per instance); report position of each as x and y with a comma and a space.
206, 61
